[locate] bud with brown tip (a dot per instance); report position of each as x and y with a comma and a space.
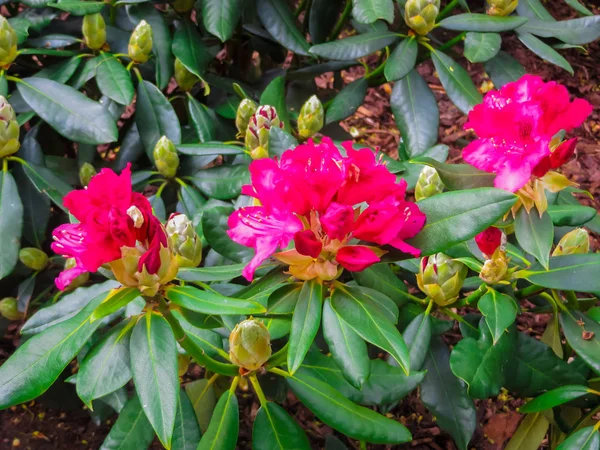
250, 344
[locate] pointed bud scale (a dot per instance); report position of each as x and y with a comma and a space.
9, 309
259, 129
244, 113
420, 15
250, 344
575, 242
94, 31
33, 258
310, 119
185, 79
140, 43
86, 172
184, 240
166, 158
501, 7
441, 278
428, 184
9, 129
8, 43
495, 268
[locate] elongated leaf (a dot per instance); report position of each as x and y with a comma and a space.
131, 431
220, 17
115, 300
217, 273
381, 278
347, 101
446, 396
68, 111
78, 8
207, 302
503, 69
416, 113
533, 9
583, 335
47, 182
530, 434
222, 182
284, 299
500, 312
355, 46
274, 429
454, 217
338, 412
280, 141
186, 435
456, 82
222, 432
417, 336
579, 7
214, 226
560, 273
61, 71
457, 177
322, 19
189, 48
482, 22
279, 21
535, 234
368, 11
37, 363
571, 215
154, 367
210, 149
202, 395
480, 47
113, 79
554, 398
585, 439
209, 341
274, 95
402, 60
201, 119
544, 51
11, 223
573, 31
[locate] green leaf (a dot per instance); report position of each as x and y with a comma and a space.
458, 177
347, 101
503, 69
215, 273
555, 397
38, 362
284, 299
368, 11
280, 141
116, 299
500, 312
456, 82
210, 149
482, 23
454, 217
274, 429
530, 434
417, 336
535, 234
446, 396
544, 51
155, 117
579, 7
77, 8
189, 48
161, 40
573, 31
154, 367
186, 434
131, 431
416, 113
203, 122
281, 24
210, 342
61, 71
274, 95
402, 60
366, 318
54, 40
355, 46
583, 335
381, 278
113, 79
11, 223
202, 395
48, 183
208, 302
222, 433
480, 47
220, 17
105, 367
222, 182
305, 323
68, 111
482, 363
214, 227
571, 215
347, 348
585, 439
322, 19
335, 410
561, 270
533, 9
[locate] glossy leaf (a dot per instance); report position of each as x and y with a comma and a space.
530, 434
368, 11
131, 431
585, 439
203, 122
544, 51
48, 183
535, 234
214, 226
280, 22
417, 336
499, 310
560, 273
503, 69
355, 46
113, 79
189, 48
459, 176
11, 223
202, 395
220, 17
116, 299
402, 60
347, 101
573, 31
554, 398
322, 19
571, 215
209, 341
284, 299
482, 23
78, 8
210, 149
216, 273
583, 335
456, 82
186, 434
274, 429
481, 47
533, 9
208, 302
222, 182
381, 278
222, 432
280, 141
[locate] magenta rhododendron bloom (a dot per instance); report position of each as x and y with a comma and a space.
515, 126
326, 203
489, 240
111, 216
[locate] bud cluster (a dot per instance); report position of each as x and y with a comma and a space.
250, 345
258, 131
140, 43
9, 129
441, 278
420, 15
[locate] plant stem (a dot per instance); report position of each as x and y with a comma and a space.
341, 21
456, 317
455, 40
258, 390
300, 8
279, 372
529, 290
447, 10
474, 296
428, 310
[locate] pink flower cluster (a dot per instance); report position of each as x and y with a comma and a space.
111, 216
325, 203
515, 126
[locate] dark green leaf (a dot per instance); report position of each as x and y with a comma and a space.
573, 31
115, 300
535, 234
482, 22
47, 182
209, 341
322, 19
210, 149
186, 435
347, 101
131, 431
561, 270
571, 215
222, 182
189, 48
216, 273
544, 51
381, 278
280, 141
503, 69
208, 302
202, 395
113, 79
585, 439
214, 226
457, 177
274, 429
222, 433
368, 11
220, 17
11, 223
55, 40
355, 46
530, 434
456, 82
284, 299
480, 47
417, 336
402, 60
583, 335
499, 310
203, 121
280, 22
78, 8
554, 398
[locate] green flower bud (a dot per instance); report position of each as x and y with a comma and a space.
80, 280
428, 184
8, 43
573, 243
310, 120
250, 344
420, 15
94, 31
495, 269
86, 172
9, 308
441, 278
501, 7
184, 241
9, 129
186, 80
140, 43
259, 128
33, 258
166, 158
183, 6
244, 113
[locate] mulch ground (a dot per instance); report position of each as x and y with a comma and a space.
60, 422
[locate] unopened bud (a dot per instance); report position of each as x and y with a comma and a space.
184, 240
244, 113
33, 258
501, 7
183, 6
310, 120
250, 344
94, 31
428, 184
259, 127
86, 172
494, 269
166, 158
575, 242
8, 43
489, 240
140, 43
80, 280
183, 364
420, 15
9, 129
441, 278
9, 308
185, 79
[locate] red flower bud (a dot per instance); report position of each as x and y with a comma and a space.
307, 243
489, 240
